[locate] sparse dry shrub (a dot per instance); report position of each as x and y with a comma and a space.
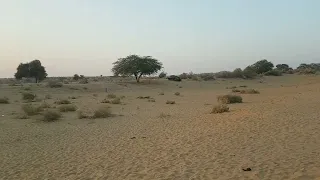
51, 115
83, 81
105, 101
221, 108
161, 93
229, 99
102, 112
48, 96
44, 105
28, 96
116, 101
177, 93
83, 115
163, 115
249, 91
151, 100
143, 97
63, 101
236, 90
111, 96
4, 100
67, 108
243, 86
170, 102
31, 110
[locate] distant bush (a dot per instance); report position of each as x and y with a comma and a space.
249, 91
28, 96
31, 110
236, 90
4, 100
183, 76
102, 112
273, 72
229, 99
54, 84
174, 78
162, 75
83, 81
63, 101
207, 76
67, 108
76, 77
51, 115
143, 97
249, 72
307, 71
170, 102
220, 109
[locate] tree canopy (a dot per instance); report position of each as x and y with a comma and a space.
262, 66
136, 65
32, 69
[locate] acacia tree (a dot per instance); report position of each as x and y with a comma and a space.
32, 69
262, 66
137, 66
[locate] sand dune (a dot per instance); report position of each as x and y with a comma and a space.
274, 133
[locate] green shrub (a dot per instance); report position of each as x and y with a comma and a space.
67, 108
28, 96
273, 72
31, 110
4, 100
51, 115
102, 112
63, 101
229, 99
54, 84
220, 109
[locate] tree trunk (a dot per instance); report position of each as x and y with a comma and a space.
138, 79
136, 76
37, 80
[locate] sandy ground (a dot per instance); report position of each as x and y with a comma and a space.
275, 133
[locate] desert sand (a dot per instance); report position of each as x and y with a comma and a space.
275, 133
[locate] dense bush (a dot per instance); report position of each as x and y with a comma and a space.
28, 96
162, 75
102, 112
31, 110
273, 72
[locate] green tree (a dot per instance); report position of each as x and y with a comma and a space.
32, 69
76, 77
162, 75
136, 65
283, 67
237, 73
262, 66
249, 72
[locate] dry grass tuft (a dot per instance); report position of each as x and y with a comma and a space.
177, 93
105, 101
243, 86
151, 100
67, 108
72, 97
220, 109
102, 112
232, 87
161, 93
31, 110
63, 101
28, 96
163, 115
83, 115
229, 99
4, 100
48, 96
236, 90
170, 102
143, 97
249, 91
51, 115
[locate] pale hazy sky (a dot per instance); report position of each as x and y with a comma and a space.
86, 36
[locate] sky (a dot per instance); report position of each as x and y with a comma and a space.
87, 36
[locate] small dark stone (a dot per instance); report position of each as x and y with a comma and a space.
144, 137
133, 138
247, 169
